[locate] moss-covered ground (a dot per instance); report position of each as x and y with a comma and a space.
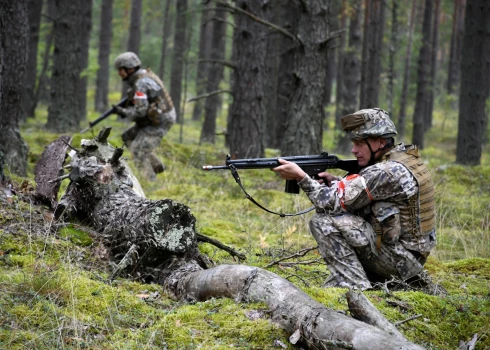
55, 292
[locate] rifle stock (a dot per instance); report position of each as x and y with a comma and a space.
103, 116
311, 164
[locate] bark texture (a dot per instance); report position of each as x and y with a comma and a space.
433, 65
333, 50
406, 74
363, 310
304, 128
341, 55
307, 320
48, 169
276, 125
474, 92
453, 75
64, 111
246, 121
166, 33
42, 89
372, 52
157, 241
352, 73
34, 10
13, 60
423, 78
134, 40
214, 75
85, 29
105, 37
205, 36
178, 57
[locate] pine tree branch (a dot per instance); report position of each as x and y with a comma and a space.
261, 21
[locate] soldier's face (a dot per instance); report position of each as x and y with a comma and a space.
122, 73
361, 151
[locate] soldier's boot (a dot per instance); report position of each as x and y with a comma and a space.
156, 163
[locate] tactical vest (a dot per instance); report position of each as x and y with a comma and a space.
164, 101
418, 216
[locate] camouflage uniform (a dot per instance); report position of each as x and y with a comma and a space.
379, 223
152, 111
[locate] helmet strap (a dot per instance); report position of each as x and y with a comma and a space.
371, 158
389, 144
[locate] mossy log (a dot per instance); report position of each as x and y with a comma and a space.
161, 236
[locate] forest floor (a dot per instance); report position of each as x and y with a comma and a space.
55, 290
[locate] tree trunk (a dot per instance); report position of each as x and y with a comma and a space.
164, 250
134, 40
332, 51
474, 91
14, 31
246, 124
272, 62
304, 129
167, 28
373, 48
292, 309
393, 51
85, 28
366, 39
64, 111
339, 102
178, 57
433, 65
105, 37
456, 44
423, 76
352, 72
215, 75
286, 80
406, 75
42, 89
205, 36
34, 11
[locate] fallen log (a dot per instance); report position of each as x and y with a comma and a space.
362, 309
156, 241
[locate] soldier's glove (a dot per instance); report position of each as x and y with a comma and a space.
119, 111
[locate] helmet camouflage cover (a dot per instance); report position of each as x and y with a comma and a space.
127, 60
372, 122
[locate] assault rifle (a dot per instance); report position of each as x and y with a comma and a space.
104, 115
312, 165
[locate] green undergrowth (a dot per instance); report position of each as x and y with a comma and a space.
55, 292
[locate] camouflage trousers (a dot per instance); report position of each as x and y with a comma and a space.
142, 141
347, 243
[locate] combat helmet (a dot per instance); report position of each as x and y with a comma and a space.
127, 60
372, 122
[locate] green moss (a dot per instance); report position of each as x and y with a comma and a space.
76, 236
62, 286
477, 267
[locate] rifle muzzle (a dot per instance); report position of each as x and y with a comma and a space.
211, 167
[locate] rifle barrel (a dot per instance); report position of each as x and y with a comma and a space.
214, 167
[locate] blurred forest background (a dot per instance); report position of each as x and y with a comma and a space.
251, 78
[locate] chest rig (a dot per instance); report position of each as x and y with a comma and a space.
159, 102
417, 217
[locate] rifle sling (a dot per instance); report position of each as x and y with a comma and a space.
234, 172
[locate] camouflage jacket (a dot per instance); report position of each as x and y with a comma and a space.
148, 98
381, 192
